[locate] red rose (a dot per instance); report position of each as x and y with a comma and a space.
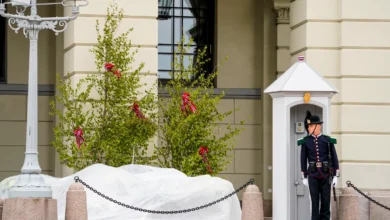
118, 73
109, 66
203, 150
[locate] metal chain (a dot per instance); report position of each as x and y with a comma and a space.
349, 184
78, 180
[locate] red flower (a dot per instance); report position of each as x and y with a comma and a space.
203, 150
109, 66
186, 102
79, 136
137, 111
118, 73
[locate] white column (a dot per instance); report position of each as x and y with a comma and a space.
283, 37
269, 75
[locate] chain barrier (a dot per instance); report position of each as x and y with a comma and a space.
78, 180
349, 184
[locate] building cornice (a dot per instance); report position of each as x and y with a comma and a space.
22, 89
283, 12
230, 93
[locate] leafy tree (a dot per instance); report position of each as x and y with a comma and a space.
101, 105
185, 134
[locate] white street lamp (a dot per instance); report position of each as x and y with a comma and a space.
30, 183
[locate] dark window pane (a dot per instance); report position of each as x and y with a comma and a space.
203, 3
188, 49
189, 12
191, 19
190, 30
202, 13
203, 32
165, 31
165, 49
202, 47
164, 62
165, 11
185, 61
190, 3
192, 50
178, 61
188, 61
177, 30
178, 12
164, 75
165, 3
178, 3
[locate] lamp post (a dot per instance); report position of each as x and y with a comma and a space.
30, 183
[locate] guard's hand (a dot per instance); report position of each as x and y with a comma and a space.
334, 183
305, 182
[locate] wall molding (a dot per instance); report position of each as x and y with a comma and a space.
232, 93
22, 89
66, 76
293, 53
357, 77
362, 103
49, 90
380, 162
356, 20
152, 17
360, 133
73, 45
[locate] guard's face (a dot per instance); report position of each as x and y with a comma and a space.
316, 128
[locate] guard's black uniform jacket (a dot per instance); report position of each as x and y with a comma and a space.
315, 150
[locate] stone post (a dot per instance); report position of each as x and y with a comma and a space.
349, 205
30, 208
1, 209
252, 204
76, 203
375, 211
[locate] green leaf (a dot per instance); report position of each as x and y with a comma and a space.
180, 135
112, 132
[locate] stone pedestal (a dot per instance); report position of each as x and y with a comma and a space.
30, 208
364, 207
1, 209
349, 205
377, 212
252, 204
76, 203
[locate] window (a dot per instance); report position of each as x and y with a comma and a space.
184, 19
3, 51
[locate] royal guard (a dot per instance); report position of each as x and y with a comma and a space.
319, 166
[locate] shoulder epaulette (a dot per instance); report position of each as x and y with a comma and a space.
331, 139
301, 141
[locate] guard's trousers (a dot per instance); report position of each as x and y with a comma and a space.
320, 190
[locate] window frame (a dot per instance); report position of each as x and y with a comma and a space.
3, 50
210, 18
